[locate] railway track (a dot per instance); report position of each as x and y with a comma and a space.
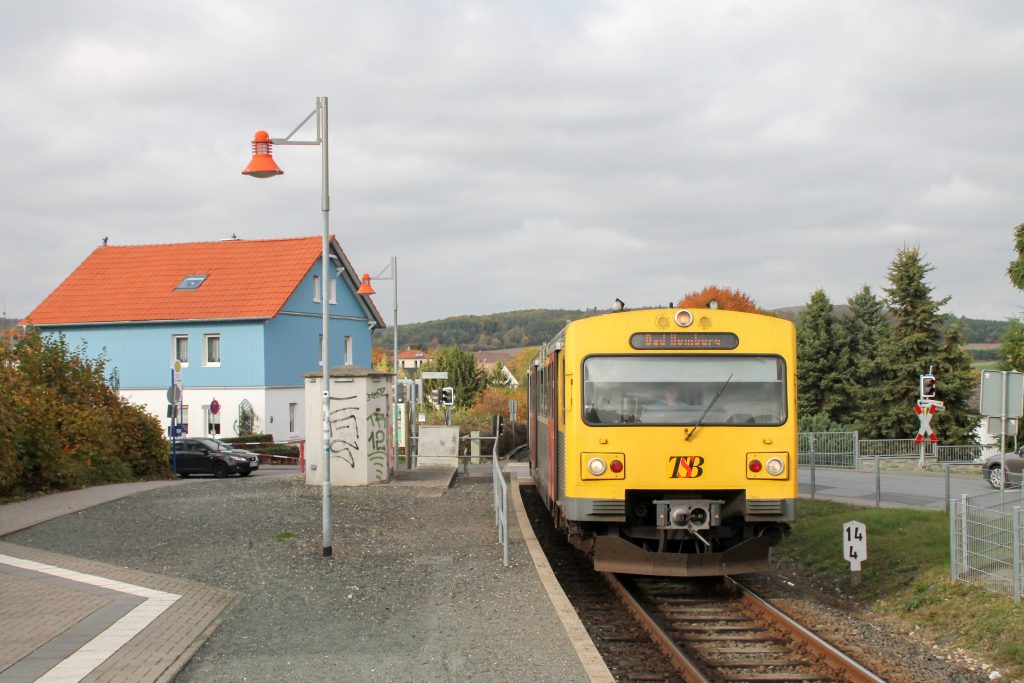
717, 630
668, 629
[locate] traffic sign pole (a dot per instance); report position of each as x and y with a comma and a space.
173, 393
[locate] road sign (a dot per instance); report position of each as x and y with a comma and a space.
1002, 393
513, 405
433, 375
174, 394
855, 544
176, 374
995, 425
925, 410
214, 407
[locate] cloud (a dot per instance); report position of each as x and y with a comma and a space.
518, 155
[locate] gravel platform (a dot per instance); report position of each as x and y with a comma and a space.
415, 590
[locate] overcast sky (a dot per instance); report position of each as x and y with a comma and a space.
552, 154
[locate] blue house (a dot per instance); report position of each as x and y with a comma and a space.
242, 317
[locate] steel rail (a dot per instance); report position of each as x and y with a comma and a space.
686, 666
832, 656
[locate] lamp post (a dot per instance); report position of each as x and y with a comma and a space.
263, 166
366, 289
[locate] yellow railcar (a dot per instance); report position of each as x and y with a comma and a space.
664, 441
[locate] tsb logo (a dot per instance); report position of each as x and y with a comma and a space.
685, 466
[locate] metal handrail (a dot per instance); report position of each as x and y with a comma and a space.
500, 503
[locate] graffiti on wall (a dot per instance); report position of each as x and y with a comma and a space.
344, 429
377, 443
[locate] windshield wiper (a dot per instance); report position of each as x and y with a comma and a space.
707, 410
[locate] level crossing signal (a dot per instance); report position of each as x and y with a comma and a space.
446, 396
927, 386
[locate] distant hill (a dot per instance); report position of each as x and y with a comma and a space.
483, 332
534, 327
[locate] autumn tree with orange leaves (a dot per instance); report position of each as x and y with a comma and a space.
724, 298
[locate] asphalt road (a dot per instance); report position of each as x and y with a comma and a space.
899, 488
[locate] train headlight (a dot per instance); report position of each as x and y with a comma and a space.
602, 466
768, 466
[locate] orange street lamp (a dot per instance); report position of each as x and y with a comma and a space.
263, 166
366, 289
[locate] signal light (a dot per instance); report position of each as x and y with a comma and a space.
927, 386
775, 466
755, 466
597, 466
616, 466
446, 396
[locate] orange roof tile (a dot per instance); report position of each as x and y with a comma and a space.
245, 279
414, 354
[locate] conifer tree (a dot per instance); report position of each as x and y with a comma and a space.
816, 359
915, 342
955, 380
864, 333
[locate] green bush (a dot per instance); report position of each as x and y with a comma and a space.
63, 426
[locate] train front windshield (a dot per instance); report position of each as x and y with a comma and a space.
682, 390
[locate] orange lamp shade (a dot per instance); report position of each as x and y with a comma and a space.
262, 164
365, 288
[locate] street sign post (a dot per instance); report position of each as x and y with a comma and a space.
1002, 396
173, 406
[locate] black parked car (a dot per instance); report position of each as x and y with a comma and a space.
210, 456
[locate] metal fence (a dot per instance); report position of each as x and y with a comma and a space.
985, 540
828, 449
847, 450
959, 454
895, 448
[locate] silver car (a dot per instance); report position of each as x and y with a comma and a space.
992, 468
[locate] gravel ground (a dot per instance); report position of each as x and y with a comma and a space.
415, 590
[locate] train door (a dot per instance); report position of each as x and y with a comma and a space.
531, 402
552, 416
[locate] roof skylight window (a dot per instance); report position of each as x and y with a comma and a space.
192, 282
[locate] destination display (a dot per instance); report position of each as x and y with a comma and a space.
643, 341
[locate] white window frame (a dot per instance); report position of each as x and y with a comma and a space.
174, 349
207, 363
183, 420
320, 345
348, 350
316, 289
292, 412
333, 287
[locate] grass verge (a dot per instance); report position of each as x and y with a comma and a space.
907, 575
